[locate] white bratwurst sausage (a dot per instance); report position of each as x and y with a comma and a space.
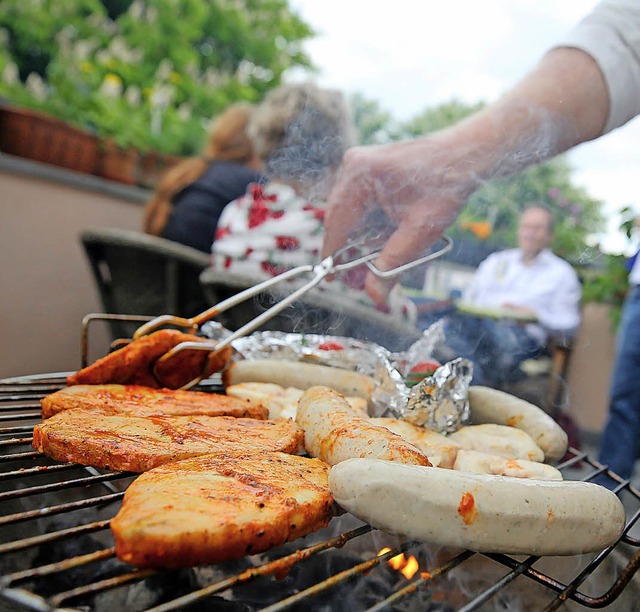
300, 375
333, 432
484, 463
440, 449
501, 440
493, 406
477, 511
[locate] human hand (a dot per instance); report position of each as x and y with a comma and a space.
420, 185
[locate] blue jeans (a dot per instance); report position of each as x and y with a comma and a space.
620, 438
496, 348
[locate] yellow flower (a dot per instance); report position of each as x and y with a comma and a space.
86, 67
174, 77
112, 79
111, 85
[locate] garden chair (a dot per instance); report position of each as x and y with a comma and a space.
139, 274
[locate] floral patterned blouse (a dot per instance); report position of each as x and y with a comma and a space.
271, 229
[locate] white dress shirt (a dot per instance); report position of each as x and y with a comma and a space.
548, 285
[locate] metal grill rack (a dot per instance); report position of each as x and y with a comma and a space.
57, 552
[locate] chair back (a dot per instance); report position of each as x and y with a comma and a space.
139, 274
317, 312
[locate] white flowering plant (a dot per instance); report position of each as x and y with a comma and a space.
145, 73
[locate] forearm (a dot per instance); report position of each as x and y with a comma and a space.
561, 103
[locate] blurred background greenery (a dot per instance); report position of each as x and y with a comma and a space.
150, 74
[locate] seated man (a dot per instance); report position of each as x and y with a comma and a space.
529, 282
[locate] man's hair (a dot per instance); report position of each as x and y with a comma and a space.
540, 206
301, 132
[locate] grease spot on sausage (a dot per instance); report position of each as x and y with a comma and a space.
551, 517
514, 420
467, 508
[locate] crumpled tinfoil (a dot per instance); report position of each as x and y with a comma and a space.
439, 402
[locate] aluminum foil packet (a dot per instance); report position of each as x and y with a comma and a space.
439, 402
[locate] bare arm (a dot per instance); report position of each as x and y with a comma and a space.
422, 185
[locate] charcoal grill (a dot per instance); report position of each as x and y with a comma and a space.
57, 552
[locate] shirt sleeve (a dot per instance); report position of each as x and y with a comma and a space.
610, 34
562, 313
474, 290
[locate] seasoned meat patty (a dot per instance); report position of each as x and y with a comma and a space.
219, 507
134, 363
143, 401
137, 444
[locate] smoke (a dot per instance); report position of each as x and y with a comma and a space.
311, 149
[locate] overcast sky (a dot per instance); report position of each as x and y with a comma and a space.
413, 54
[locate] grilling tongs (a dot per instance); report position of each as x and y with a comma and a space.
330, 265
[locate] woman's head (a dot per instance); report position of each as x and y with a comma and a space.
228, 141
228, 138
301, 132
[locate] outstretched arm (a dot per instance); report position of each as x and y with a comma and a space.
422, 185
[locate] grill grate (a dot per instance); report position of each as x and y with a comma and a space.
56, 550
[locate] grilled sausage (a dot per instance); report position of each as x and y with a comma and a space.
280, 401
508, 442
300, 375
484, 463
333, 432
440, 449
493, 406
477, 511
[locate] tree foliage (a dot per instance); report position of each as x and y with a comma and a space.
373, 124
149, 73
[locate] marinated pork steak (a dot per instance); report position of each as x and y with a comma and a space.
134, 363
137, 444
143, 401
220, 507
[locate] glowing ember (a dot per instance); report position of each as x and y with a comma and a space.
407, 567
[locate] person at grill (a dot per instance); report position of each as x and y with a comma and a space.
301, 132
190, 197
533, 294
621, 436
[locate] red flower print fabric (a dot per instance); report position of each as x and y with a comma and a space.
271, 229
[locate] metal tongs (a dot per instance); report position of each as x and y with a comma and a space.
328, 266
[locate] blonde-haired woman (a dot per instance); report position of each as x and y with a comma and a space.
301, 132
190, 197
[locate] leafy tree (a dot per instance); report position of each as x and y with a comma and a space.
373, 124
148, 73
607, 282
438, 117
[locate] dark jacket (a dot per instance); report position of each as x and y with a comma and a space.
197, 208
